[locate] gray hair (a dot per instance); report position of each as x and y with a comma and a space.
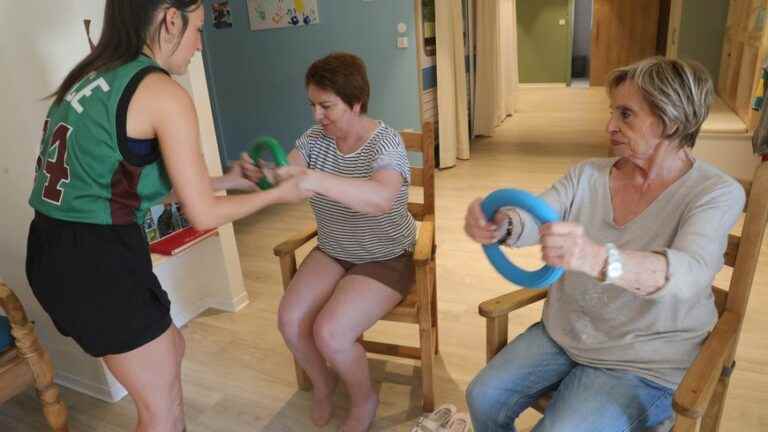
678, 92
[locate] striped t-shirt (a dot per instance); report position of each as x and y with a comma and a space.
348, 234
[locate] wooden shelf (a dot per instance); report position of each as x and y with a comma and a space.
158, 259
723, 120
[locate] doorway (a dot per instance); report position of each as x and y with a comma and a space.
544, 35
582, 37
577, 42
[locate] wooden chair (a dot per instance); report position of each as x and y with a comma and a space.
420, 306
28, 363
699, 400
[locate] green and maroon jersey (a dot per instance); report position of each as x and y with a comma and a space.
86, 171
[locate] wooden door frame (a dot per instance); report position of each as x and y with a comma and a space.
745, 48
571, 39
673, 29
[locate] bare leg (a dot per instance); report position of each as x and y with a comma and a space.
355, 306
152, 376
310, 288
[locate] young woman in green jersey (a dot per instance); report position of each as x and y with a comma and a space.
120, 134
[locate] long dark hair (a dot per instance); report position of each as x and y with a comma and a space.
125, 34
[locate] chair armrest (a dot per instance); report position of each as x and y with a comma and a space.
295, 242
504, 304
698, 385
422, 254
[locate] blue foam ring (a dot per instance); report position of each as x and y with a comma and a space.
537, 207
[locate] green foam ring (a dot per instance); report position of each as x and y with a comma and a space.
278, 155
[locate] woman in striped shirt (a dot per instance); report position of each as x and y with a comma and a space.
358, 172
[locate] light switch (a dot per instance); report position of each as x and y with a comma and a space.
562, 21
402, 42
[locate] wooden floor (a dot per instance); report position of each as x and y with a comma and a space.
238, 375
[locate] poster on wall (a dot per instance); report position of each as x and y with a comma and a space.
222, 16
270, 14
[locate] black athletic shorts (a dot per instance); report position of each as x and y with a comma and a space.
96, 283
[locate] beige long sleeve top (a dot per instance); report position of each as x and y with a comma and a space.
603, 325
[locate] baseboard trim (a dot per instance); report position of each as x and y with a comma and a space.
104, 393
233, 305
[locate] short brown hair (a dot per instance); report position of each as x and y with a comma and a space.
678, 92
345, 75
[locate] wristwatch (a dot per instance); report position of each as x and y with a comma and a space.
613, 267
507, 232
506, 235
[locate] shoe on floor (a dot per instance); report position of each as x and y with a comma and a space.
459, 423
437, 419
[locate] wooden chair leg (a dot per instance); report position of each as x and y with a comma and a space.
42, 369
53, 408
496, 335
426, 335
434, 307
685, 424
427, 360
288, 271
714, 413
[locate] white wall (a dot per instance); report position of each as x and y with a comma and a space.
40, 41
229, 294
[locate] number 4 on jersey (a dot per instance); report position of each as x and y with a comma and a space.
56, 168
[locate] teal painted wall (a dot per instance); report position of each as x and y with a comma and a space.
544, 46
256, 79
702, 28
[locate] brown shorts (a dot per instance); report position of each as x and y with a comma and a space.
396, 273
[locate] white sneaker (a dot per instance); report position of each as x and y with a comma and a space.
459, 423
437, 420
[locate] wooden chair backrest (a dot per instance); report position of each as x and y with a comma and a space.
743, 250
12, 307
422, 176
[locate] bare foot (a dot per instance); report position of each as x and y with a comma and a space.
361, 415
322, 403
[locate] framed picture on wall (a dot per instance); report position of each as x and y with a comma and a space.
270, 14
222, 15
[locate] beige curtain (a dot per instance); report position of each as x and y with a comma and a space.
453, 122
497, 76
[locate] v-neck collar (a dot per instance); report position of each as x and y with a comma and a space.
662, 196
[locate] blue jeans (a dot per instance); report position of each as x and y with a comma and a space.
588, 399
